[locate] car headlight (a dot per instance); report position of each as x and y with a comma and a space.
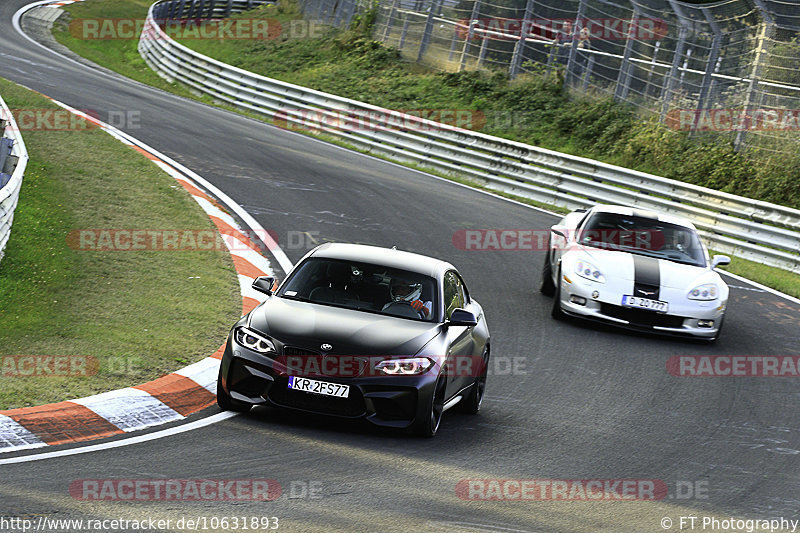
708, 291
253, 341
587, 270
408, 366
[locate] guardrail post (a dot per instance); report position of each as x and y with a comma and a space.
625, 68
473, 20
570, 41
519, 48
426, 34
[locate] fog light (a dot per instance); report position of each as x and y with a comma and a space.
580, 300
705, 323
595, 295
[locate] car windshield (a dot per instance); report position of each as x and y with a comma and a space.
643, 236
363, 287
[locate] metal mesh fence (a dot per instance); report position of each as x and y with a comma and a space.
730, 68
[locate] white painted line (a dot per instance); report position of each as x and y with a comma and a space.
204, 373
252, 257
14, 435
130, 409
213, 419
762, 287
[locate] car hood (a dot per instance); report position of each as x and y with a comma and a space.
307, 325
621, 265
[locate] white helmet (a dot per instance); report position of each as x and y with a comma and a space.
403, 290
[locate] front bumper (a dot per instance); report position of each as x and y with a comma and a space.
389, 401
684, 317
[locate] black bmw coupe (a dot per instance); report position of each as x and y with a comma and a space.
359, 331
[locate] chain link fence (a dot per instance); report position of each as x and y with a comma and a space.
731, 67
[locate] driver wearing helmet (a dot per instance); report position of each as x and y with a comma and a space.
402, 290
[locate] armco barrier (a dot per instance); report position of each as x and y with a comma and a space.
760, 231
13, 160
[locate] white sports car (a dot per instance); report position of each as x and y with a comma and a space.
638, 269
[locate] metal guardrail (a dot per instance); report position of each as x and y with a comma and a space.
13, 160
760, 231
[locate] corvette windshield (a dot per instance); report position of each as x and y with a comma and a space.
643, 236
363, 287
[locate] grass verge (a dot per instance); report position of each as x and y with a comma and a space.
532, 109
136, 315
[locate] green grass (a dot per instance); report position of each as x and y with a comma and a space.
140, 314
532, 109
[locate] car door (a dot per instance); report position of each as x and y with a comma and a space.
462, 365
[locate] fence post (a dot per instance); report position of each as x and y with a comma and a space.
404, 32
672, 76
228, 8
476, 12
713, 55
516, 57
211, 8
338, 11
765, 35
426, 34
625, 68
390, 20
652, 68
482, 54
588, 72
571, 40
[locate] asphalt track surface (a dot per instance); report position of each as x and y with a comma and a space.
585, 402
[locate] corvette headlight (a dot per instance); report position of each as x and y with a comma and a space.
408, 366
708, 291
253, 341
587, 270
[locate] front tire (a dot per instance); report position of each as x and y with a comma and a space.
556, 311
427, 426
226, 403
547, 287
472, 403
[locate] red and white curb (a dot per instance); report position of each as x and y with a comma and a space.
171, 397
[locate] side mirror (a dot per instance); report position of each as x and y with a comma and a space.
461, 317
720, 260
264, 284
560, 231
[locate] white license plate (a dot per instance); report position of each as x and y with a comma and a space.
645, 303
319, 387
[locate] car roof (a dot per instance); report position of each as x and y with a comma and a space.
646, 213
389, 257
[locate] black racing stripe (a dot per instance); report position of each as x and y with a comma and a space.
646, 277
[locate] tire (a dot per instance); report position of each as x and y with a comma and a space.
226, 403
472, 403
547, 287
427, 426
556, 311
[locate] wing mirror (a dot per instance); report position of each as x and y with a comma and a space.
462, 317
720, 260
264, 284
560, 231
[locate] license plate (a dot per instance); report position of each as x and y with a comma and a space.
319, 387
645, 303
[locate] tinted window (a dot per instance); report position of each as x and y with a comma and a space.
644, 236
364, 287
